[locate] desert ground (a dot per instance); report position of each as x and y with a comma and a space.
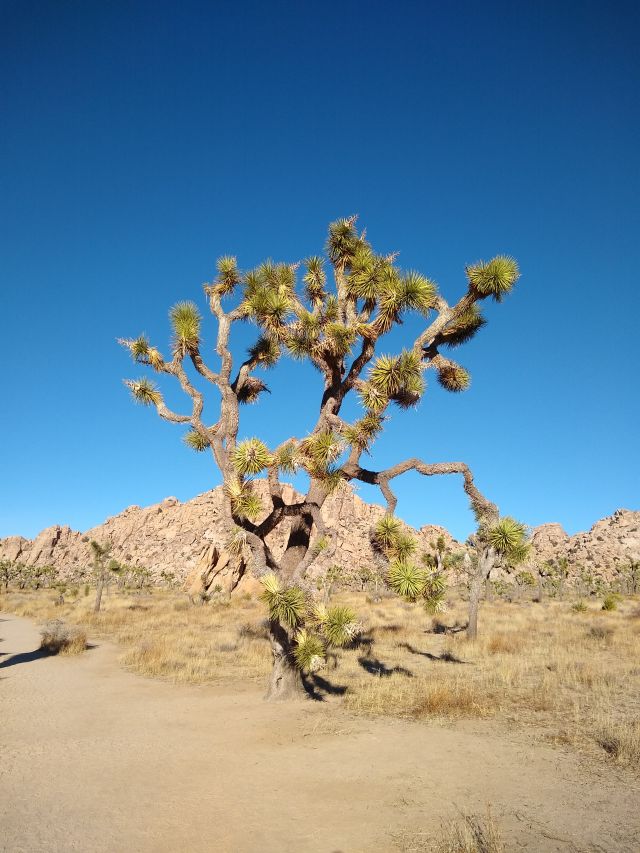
157, 737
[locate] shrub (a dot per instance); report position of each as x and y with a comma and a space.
610, 602
58, 638
579, 607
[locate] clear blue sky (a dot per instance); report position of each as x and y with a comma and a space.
142, 140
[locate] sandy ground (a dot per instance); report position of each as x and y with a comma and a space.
94, 758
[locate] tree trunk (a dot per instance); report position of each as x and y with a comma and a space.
286, 679
99, 589
480, 575
475, 585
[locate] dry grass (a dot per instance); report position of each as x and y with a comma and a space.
573, 676
469, 834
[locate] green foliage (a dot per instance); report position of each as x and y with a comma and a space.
610, 602
196, 441
507, 536
144, 391
185, 320
338, 625
321, 449
244, 502
343, 241
464, 327
363, 432
434, 593
286, 605
495, 278
406, 579
309, 651
250, 457
265, 351
386, 532
579, 607
417, 292
314, 279
289, 458
228, 275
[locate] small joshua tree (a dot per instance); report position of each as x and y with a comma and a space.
498, 543
337, 326
101, 569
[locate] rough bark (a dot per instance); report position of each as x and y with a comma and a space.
286, 679
479, 575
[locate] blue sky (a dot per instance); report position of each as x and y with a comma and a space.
140, 141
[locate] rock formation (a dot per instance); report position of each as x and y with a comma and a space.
187, 539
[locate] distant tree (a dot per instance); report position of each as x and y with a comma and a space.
338, 328
499, 542
100, 553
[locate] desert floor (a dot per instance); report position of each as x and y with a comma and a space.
95, 758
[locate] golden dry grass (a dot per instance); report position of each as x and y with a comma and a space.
468, 834
572, 676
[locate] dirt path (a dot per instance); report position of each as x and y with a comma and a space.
96, 759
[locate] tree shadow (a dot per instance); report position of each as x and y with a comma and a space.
36, 654
441, 628
24, 657
318, 688
446, 656
376, 667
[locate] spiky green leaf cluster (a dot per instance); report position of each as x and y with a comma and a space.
244, 501
269, 296
454, 378
434, 593
321, 449
463, 328
142, 352
265, 351
286, 605
196, 441
339, 625
185, 321
314, 280
397, 378
386, 532
144, 391
508, 538
289, 458
309, 651
228, 275
407, 579
343, 241
495, 278
363, 432
251, 457
417, 292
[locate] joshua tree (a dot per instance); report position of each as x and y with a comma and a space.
338, 327
498, 542
101, 569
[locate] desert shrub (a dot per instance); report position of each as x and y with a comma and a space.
58, 638
579, 607
610, 601
600, 632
